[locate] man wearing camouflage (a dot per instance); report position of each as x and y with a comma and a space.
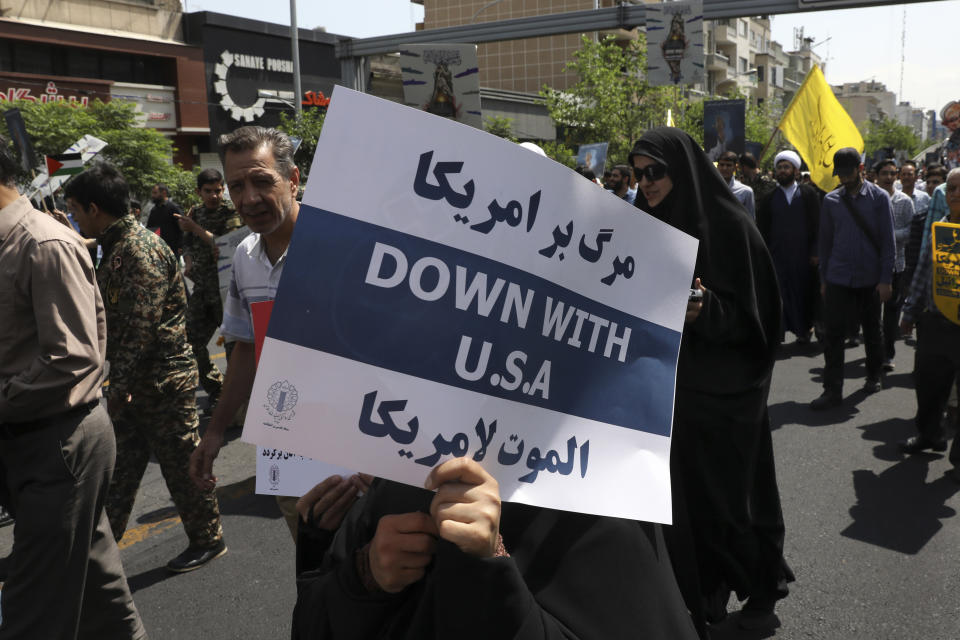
201, 226
152, 375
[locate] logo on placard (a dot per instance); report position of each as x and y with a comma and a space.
281, 399
274, 476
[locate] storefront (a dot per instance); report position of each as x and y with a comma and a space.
249, 72
164, 79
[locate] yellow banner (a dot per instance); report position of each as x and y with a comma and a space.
817, 125
946, 269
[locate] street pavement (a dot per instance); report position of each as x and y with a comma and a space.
870, 533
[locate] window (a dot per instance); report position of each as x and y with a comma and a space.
743, 28
79, 62
116, 66
744, 65
6, 56
760, 73
83, 63
34, 58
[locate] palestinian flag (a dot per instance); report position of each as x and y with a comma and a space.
66, 164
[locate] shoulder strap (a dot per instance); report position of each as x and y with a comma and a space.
858, 218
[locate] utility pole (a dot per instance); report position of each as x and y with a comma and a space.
903, 51
295, 49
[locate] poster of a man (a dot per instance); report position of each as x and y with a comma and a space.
723, 127
593, 157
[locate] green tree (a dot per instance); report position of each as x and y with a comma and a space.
307, 127
560, 152
887, 133
143, 155
500, 126
610, 102
503, 127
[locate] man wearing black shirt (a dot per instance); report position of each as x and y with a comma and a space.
162, 218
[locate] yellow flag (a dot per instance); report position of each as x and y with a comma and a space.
817, 125
670, 118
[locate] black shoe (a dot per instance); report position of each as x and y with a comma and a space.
871, 386
193, 559
826, 401
888, 365
5, 517
916, 444
852, 342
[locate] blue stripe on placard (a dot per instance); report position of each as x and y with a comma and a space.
324, 302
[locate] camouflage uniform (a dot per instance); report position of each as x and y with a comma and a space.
762, 186
150, 359
205, 309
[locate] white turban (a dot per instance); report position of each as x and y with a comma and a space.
534, 147
789, 156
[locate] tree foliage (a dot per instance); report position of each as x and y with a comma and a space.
887, 133
612, 102
307, 128
500, 126
143, 155
560, 152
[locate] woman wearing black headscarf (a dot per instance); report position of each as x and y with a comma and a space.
728, 526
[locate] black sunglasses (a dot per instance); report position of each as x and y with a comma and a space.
651, 172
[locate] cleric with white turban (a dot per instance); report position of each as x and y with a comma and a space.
789, 156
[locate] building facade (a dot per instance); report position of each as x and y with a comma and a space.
518, 65
248, 72
77, 51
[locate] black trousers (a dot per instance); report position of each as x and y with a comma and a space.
838, 305
66, 581
891, 318
936, 366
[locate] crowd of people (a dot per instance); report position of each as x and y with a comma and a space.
379, 559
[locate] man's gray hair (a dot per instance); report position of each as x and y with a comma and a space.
252, 137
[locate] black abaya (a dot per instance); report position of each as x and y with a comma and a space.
568, 576
728, 525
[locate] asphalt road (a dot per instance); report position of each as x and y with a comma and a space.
870, 534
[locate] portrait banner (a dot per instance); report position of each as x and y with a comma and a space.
593, 156
442, 79
476, 300
946, 269
724, 127
674, 43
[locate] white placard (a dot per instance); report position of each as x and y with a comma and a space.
476, 299
287, 474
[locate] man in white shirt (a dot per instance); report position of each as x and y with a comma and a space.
727, 166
